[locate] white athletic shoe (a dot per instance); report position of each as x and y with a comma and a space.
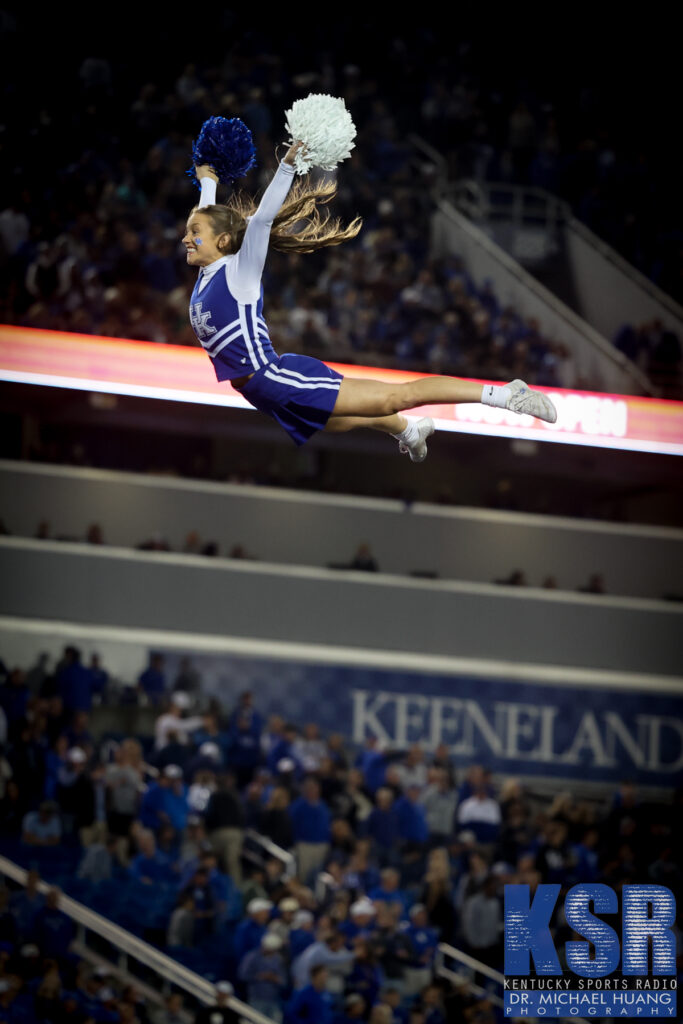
418, 449
533, 403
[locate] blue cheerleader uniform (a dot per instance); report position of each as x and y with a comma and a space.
226, 313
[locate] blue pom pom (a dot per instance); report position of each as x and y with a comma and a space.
226, 144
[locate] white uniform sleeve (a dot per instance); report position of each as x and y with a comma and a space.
244, 272
208, 196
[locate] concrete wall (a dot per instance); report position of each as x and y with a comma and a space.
79, 583
610, 291
302, 528
593, 357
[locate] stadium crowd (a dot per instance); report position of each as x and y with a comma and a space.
383, 854
98, 251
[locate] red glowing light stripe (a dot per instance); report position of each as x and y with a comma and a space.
179, 373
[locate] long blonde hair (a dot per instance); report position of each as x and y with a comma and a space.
318, 231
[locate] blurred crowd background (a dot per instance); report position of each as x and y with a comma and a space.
93, 245
394, 851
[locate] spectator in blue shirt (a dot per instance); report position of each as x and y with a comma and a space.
263, 971
245, 711
25, 905
244, 748
152, 681
78, 733
587, 865
372, 761
282, 748
203, 905
365, 977
412, 824
226, 895
56, 758
42, 827
388, 890
310, 819
312, 1004
165, 802
99, 677
150, 865
361, 921
251, 930
330, 950
54, 931
14, 694
302, 934
209, 758
422, 944
74, 682
354, 1009
382, 825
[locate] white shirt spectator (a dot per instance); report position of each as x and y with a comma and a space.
170, 723
476, 808
412, 775
338, 963
310, 752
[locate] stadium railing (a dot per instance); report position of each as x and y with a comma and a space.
265, 847
129, 947
446, 953
454, 230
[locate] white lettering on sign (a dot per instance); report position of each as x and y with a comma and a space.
517, 731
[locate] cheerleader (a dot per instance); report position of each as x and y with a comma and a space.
229, 244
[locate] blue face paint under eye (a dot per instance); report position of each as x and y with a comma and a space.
197, 241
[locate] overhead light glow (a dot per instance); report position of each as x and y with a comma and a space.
183, 374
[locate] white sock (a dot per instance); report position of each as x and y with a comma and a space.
496, 394
409, 434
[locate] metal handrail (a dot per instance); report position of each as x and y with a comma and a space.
444, 949
455, 978
432, 154
482, 204
474, 198
559, 308
181, 977
287, 858
638, 278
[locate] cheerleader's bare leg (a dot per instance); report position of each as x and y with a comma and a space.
378, 399
378, 405
387, 424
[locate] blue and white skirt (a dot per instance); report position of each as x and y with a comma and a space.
297, 391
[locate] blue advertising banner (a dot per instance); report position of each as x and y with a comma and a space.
513, 727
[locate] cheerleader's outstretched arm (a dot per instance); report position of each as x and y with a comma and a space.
245, 275
208, 181
247, 268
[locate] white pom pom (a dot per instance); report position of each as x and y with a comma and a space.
325, 127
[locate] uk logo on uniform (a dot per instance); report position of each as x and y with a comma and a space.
200, 321
606, 976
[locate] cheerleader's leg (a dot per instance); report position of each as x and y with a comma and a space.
411, 434
377, 398
386, 424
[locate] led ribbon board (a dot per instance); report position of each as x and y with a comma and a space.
183, 374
